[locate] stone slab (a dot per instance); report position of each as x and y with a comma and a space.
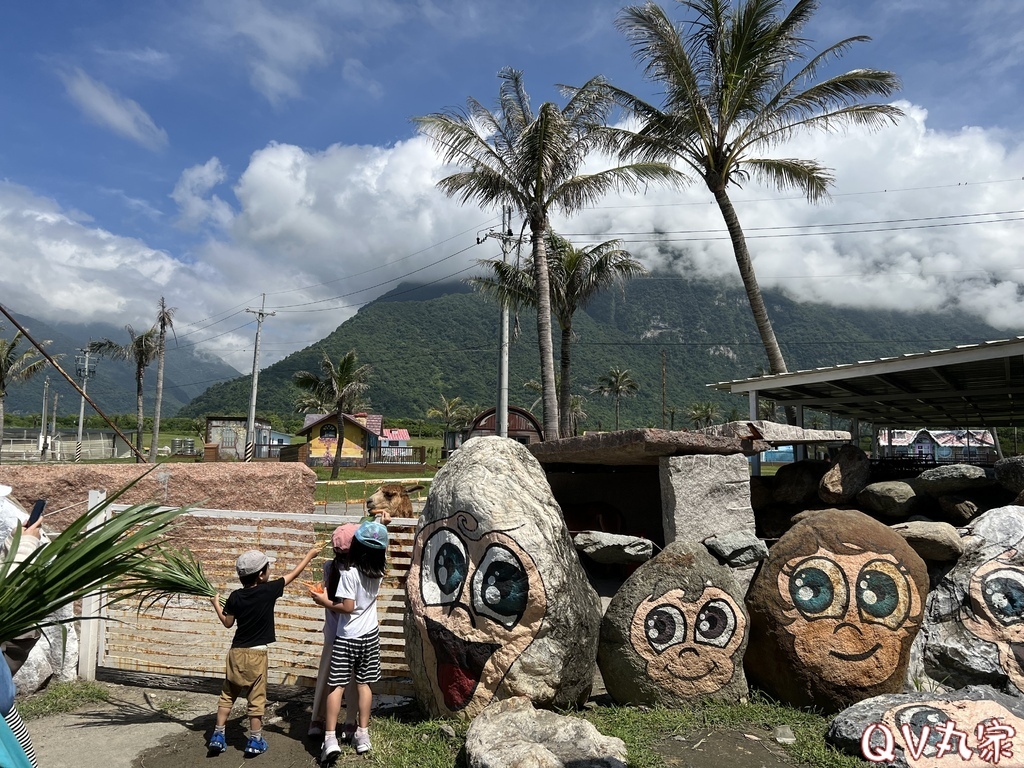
639, 446
777, 434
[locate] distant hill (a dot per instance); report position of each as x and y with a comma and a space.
426, 341
187, 372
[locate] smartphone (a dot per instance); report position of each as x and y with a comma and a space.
37, 512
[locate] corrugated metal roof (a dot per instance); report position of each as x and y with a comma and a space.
980, 385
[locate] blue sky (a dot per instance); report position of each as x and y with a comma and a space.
213, 150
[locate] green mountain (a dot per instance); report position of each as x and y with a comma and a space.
427, 341
187, 372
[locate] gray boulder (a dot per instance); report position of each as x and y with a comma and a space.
937, 542
512, 734
797, 483
891, 498
959, 510
613, 548
737, 548
1009, 473
675, 631
498, 602
971, 633
848, 476
952, 479
884, 716
54, 657
704, 495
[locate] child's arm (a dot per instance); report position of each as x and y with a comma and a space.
348, 605
226, 619
294, 573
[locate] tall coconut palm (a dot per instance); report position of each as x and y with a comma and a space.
532, 162
703, 414
341, 386
618, 383
454, 413
739, 78
165, 322
576, 276
141, 349
16, 367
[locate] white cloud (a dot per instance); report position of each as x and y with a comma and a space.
190, 193
111, 110
323, 232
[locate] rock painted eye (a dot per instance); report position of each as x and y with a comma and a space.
883, 594
916, 718
1003, 591
716, 623
818, 589
664, 626
501, 586
444, 568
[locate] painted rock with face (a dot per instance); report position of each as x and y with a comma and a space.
675, 631
499, 605
974, 626
834, 610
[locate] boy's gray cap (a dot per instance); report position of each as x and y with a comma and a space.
251, 562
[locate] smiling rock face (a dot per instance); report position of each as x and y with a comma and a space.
675, 631
499, 605
834, 611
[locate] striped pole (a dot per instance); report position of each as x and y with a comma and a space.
250, 449
78, 451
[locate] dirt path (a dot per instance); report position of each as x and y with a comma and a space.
146, 728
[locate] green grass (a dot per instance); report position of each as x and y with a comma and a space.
641, 728
62, 697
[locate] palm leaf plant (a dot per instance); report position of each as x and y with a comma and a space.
87, 557
168, 572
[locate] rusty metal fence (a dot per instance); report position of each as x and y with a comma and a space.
184, 639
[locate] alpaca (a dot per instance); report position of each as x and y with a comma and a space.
391, 501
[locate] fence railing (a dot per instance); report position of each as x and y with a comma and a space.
406, 454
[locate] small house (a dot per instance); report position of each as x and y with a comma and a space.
228, 434
361, 435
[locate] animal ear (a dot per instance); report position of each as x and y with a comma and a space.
413, 488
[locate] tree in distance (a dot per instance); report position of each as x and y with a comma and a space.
617, 383
16, 367
141, 349
338, 389
576, 275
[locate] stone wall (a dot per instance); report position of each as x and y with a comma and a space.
257, 486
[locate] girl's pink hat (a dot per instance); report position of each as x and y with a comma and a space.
342, 538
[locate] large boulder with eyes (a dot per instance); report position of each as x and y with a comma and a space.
974, 624
675, 631
498, 602
834, 611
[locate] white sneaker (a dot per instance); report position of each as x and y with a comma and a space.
361, 741
330, 752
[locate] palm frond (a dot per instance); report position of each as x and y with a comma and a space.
165, 574
86, 557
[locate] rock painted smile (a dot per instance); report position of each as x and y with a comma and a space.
857, 656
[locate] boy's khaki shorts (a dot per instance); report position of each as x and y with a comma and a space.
246, 675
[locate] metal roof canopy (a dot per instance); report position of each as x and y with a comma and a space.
978, 385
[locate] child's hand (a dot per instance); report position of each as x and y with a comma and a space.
315, 550
313, 586
215, 600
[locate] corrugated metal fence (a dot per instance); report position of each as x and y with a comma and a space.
184, 637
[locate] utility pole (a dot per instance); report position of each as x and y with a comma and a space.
44, 436
250, 428
505, 238
53, 426
663, 377
85, 368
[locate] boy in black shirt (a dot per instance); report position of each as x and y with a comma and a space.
246, 671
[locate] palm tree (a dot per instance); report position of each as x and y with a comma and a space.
740, 79
164, 321
141, 349
454, 413
576, 414
532, 162
16, 367
576, 276
703, 414
618, 383
340, 389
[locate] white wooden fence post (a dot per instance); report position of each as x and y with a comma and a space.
90, 629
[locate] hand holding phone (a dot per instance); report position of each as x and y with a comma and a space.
37, 513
